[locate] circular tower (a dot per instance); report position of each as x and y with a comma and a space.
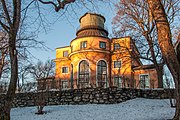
90, 53
92, 25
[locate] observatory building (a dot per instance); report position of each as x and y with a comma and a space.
94, 60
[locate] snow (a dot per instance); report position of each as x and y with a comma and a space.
136, 109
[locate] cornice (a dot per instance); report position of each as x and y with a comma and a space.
81, 51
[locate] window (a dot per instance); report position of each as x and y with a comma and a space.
117, 81
116, 46
144, 81
117, 64
83, 44
64, 84
102, 45
64, 69
102, 73
65, 53
83, 74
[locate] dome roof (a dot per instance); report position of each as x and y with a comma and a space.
92, 24
92, 31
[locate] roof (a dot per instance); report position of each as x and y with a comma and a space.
150, 66
92, 31
63, 47
92, 14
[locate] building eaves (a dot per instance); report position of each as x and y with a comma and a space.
150, 66
63, 47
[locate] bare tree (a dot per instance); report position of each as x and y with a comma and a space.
42, 70
166, 46
43, 73
10, 23
12, 17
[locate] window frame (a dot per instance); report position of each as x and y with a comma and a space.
102, 46
101, 74
64, 81
65, 69
116, 47
144, 81
83, 44
119, 81
64, 55
83, 74
115, 65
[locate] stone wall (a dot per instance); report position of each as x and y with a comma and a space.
157, 93
86, 96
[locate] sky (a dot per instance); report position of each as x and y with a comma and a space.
63, 30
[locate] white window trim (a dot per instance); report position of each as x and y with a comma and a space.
67, 53
82, 44
114, 46
107, 73
61, 84
67, 70
118, 79
148, 80
78, 71
117, 60
100, 44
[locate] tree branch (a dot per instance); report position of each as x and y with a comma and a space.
6, 12
5, 27
60, 5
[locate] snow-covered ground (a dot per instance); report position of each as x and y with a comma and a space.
136, 109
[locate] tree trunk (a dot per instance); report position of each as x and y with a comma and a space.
166, 46
5, 113
160, 76
13, 21
157, 66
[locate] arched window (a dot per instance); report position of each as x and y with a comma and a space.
83, 74
102, 74
116, 46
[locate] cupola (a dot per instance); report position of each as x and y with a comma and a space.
92, 24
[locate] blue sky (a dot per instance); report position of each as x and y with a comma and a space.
64, 29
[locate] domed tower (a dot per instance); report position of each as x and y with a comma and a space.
90, 53
92, 25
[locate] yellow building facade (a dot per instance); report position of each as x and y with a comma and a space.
94, 60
